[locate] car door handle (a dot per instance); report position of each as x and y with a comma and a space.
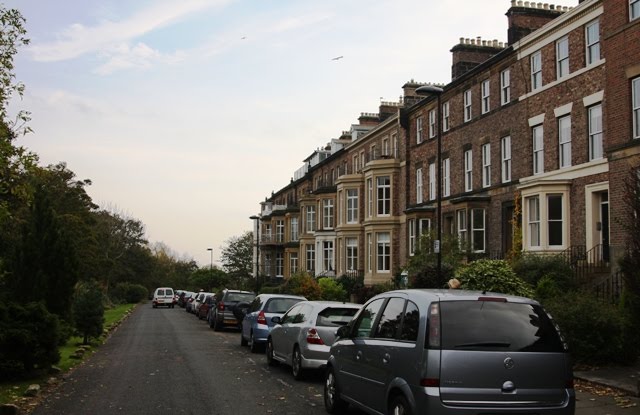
358, 355
386, 358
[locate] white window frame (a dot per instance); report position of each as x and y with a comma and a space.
467, 106
352, 206
595, 132
293, 263
383, 195
311, 218
446, 177
505, 86
486, 95
592, 42
461, 227
634, 9
486, 165
369, 252
310, 257
279, 264
419, 189
327, 214
419, 130
432, 181
327, 256
468, 170
562, 57
564, 141
536, 70
432, 124
445, 116
280, 231
537, 137
351, 253
411, 224
635, 102
533, 221
478, 230
394, 143
369, 198
293, 228
505, 148
385, 147
383, 252
552, 221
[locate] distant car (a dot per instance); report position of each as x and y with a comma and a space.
450, 352
224, 313
303, 336
199, 301
163, 296
257, 324
183, 298
203, 309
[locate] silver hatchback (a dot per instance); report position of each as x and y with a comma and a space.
304, 334
450, 352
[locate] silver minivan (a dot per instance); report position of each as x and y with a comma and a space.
450, 352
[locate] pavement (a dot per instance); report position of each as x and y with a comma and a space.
611, 390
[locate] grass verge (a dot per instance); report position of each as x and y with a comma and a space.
11, 391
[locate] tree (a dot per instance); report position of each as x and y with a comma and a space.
88, 310
237, 257
422, 265
493, 275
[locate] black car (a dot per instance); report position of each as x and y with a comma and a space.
229, 308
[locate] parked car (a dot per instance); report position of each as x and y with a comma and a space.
450, 352
257, 323
304, 334
183, 298
191, 302
199, 301
203, 309
224, 313
163, 296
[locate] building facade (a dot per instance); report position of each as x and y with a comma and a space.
547, 124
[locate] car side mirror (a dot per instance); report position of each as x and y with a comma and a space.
276, 320
343, 331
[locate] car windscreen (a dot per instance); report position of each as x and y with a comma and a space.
497, 326
335, 316
240, 297
280, 305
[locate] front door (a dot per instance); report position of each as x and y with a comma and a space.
604, 231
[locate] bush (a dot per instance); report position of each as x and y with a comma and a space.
427, 277
493, 275
127, 293
302, 284
369, 291
29, 339
351, 284
331, 290
88, 310
534, 267
593, 329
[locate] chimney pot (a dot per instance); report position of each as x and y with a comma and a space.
519, 3
462, 41
526, 4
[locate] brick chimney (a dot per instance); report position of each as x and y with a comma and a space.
528, 16
469, 53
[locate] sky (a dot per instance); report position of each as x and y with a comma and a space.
187, 114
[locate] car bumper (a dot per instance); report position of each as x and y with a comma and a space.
314, 356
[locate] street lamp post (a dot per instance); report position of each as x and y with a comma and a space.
437, 91
211, 251
257, 241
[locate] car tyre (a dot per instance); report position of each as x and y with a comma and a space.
253, 346
399, 406
243, 341
332, 401
217, 325
296, 364
270, 359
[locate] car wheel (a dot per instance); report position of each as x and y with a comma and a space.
399, 406
210, 320
332, 401
270, 360
217, 325
253, 346
296, 364
243, 341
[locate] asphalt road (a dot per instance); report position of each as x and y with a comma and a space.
166, 361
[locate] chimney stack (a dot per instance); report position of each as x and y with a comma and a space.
469, 53
526, 17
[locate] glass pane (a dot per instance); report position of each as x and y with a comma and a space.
411, 323
366, 318
389, 323
555, 207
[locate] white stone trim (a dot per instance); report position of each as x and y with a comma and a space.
537, 120
563, 110
593, 99
563, 79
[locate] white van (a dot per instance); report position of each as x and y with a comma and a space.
164, 296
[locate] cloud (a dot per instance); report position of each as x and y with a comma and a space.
139, 56
79, 39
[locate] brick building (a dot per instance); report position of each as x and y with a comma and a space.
546, 121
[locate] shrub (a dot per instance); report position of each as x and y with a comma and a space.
29, 339
302, 284
428, 276
593, 329
128, 293
534, 267
351, 284
331, 290
88, 310
369, 291
493, 275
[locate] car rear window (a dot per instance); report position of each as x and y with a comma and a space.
240, 297
280, 305
497, 326
335, 317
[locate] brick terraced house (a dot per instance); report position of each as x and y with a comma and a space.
550, 121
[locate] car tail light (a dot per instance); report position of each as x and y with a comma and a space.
313, 337
434, 325
496, 299
262, 319
430, 382
220, 306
